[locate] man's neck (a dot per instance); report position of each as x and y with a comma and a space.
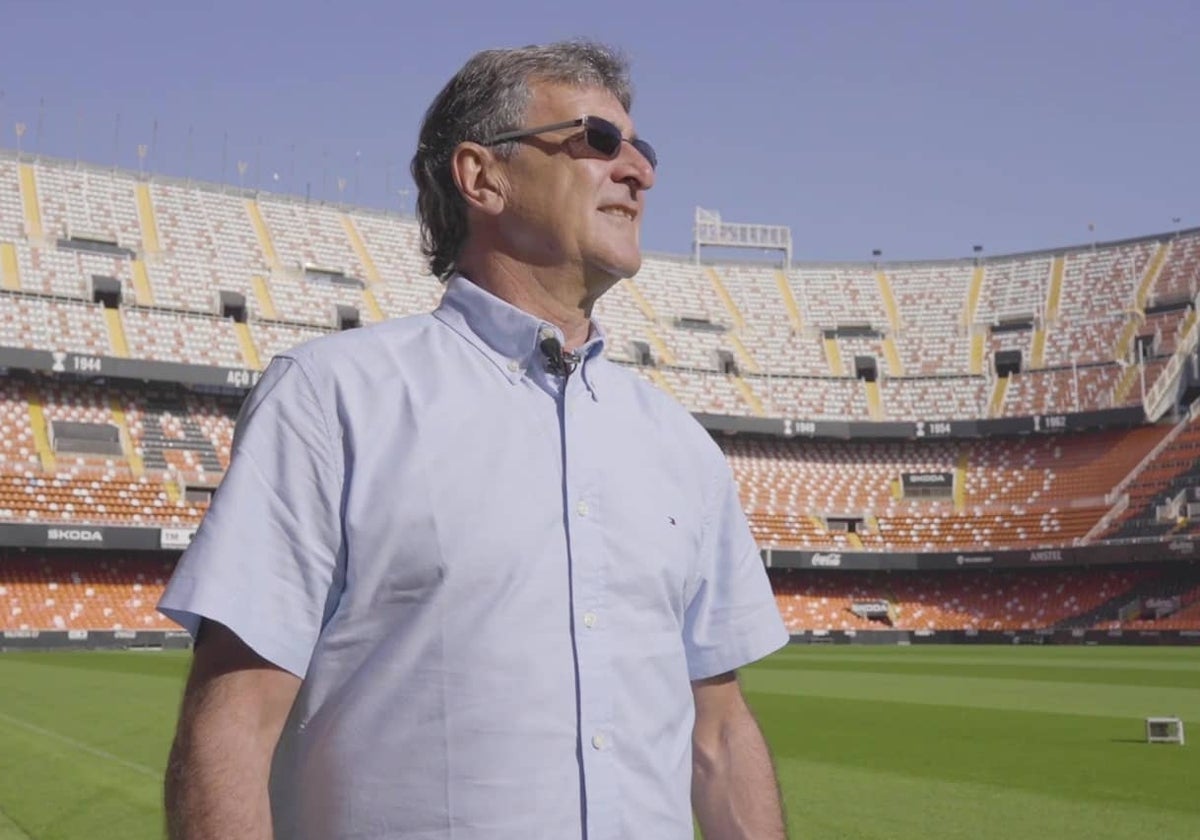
555, 300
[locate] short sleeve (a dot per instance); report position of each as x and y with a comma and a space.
731, 618
266, 561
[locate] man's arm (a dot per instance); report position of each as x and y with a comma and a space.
234, 708
734, 791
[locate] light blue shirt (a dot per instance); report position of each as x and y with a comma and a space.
497, 587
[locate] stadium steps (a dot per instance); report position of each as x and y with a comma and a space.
789, 300
142, 292
661, 382
360, 248
1054, 295
135, 460
749, 396
171, 488
263, 233
147, 220
973, 293
895, 366
1037, 356
246, 343
116, 333
661, 351
640, 300
723, 293
978, 337
854, 541
746, 361
10, 271
999, 392
1153, 269
41, 437
960, 483
833, 355
263, 295
1125, 384
889, 300
1121, 346
29, 201
874, 400
1172, 581
372, 304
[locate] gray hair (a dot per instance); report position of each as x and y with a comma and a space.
489, 95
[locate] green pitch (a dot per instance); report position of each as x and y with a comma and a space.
871, 743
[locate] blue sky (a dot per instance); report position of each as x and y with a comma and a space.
919, 128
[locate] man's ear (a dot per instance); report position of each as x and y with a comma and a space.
480, 177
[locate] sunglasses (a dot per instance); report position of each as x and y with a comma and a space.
601, 136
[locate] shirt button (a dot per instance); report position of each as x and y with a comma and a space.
582, 508
589, 618
514, 365
599, 741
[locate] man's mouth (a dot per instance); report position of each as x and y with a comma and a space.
623, 212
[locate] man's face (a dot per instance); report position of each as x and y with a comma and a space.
569, 207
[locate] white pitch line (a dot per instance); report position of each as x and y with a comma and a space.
79, 745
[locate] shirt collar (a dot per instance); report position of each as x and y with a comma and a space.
509, 337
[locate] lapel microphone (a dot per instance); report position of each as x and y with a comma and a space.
558, 361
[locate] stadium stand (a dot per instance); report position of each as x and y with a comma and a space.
76, 591
108, 263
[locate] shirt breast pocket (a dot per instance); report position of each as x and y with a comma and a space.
653, 548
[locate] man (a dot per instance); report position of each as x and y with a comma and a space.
465, 578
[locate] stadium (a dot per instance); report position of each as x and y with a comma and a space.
992, 449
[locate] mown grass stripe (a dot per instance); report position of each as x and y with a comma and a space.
829, 802
78, 745
1133, 701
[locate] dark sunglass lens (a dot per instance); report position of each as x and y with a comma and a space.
647, 152
604, 137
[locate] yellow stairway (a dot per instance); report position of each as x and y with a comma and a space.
142, 292
10, 271
1054, 296
640, 300
116, 333
978, 338
889, 300
973, 293
874, 400
1153, 269
723, 293
661, 351
147, 220
895, 366
246, 343
999, 392
263, 233
661, 381
29, 201
372, 304
263, 295
360, 248
789, 300
1037, 356
833, 355
41, 435
131, 454
746, 361
960, 483
1125, 384
749, 396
